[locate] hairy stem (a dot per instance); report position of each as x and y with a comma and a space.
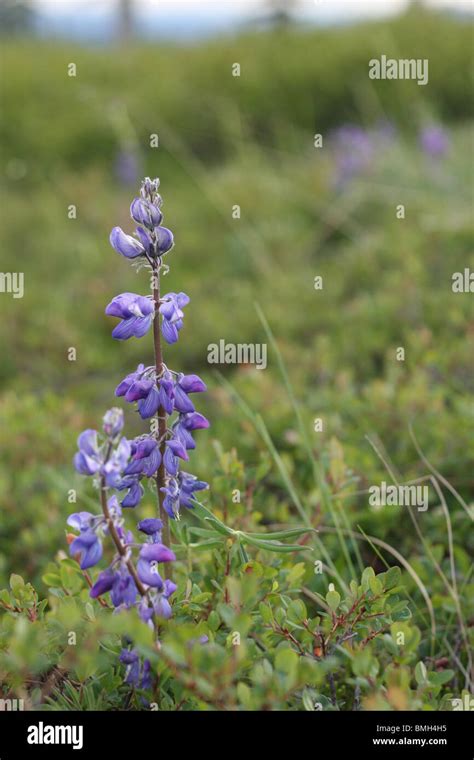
161, 414
116, 538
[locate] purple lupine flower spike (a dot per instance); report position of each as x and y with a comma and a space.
120, 467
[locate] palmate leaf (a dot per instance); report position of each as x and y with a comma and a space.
279, 534
273, 546
205, 514
268, 541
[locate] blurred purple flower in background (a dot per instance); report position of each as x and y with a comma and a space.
127, 166
434, 140
354, 150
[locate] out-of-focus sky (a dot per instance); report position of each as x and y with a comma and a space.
194, 18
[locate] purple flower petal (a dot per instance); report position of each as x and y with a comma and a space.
126, 245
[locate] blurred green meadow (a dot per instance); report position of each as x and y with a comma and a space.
248, 141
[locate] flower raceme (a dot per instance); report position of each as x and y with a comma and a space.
137, 314
121, 467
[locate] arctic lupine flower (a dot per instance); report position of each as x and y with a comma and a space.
166, 392
187, 384
171, 500
164, 240
135, 491
151, 526
121, 464
145, 213
147, 566
171, 310
161, 605
146, 457
124, 591
104, 583
136, 313
81, 521
132, 662
113, 422
87, 545
88, 460
188, 484
434, 140
174, 449
146, 240
125, 384
125, 244
116, 463
186, 424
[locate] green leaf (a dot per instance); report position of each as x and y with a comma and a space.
375, 585
277, 535
286, 660
16, 582
392, 577
308, 702
421, 673
205, 514
297, 611
244, 694
213, 620
441, 677
265, 613
204, 532
51, 579
366, 575
333, 598
274, 546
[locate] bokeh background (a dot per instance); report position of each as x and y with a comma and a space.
166, 68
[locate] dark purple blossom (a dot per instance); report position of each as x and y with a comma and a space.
104, 583
151, 526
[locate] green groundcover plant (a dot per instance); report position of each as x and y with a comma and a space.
212, 608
